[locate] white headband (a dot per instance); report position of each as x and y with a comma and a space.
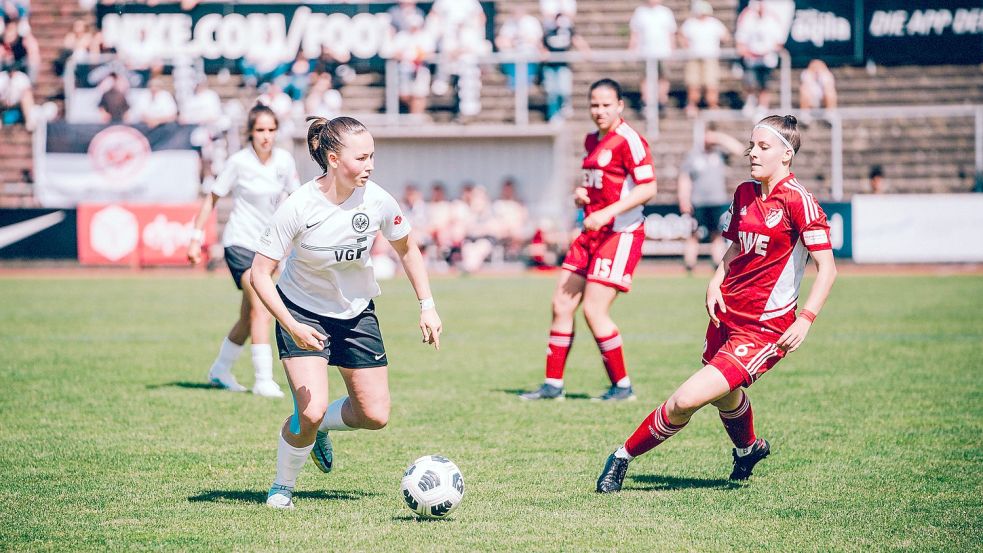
774, 131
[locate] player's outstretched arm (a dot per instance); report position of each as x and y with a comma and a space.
194, 246
261, 277
797, 331
412, 260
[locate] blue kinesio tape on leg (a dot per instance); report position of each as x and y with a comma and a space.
295, 420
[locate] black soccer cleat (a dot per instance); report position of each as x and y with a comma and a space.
546, 391
744, 465
613, 475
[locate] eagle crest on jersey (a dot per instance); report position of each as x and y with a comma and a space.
360, 222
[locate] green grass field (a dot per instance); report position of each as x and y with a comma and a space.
109, 439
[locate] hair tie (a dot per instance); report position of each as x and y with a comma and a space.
778, 134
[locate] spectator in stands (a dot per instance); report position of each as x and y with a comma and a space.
521, 33
298, 79
440, 217
415, 210
19, 50
759, 38
335, 63
551, 8
511, 218
818, 88
204, 107
559, 36
322, 99
876, 180
460, 41
447, 16
702, 192
480, 229
17, 10
113, 106
18, 54
412, 47
262, 64
653, 35
272, 96
702, 34
158, 107
402, 14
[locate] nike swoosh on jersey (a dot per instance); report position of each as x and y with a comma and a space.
16, 232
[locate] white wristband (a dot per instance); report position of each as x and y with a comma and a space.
198, 235
427, 303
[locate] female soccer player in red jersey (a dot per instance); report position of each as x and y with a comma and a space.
618, 178
775, 225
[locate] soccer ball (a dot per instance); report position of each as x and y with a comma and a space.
432, 486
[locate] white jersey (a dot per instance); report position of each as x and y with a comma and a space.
256, 189
329, 269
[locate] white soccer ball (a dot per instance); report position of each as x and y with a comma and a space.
432, 486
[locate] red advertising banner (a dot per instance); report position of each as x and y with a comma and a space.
138, 234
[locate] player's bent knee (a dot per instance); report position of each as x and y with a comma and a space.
312, 415
683, 405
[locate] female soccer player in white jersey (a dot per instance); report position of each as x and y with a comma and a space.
258, 177
323, 300
618, 178
775, 225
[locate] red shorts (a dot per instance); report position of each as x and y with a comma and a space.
741, 356
607, 258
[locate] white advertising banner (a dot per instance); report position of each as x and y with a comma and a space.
918, 228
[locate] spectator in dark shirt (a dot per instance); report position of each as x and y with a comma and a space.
113, 105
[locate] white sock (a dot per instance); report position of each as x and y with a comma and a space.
332, 417
742, 451
624, 382
289, 461
262, 361
227, 355
558, 382
622, 453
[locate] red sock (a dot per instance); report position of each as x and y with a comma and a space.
613, 355
654, 430
556, 353
740, 423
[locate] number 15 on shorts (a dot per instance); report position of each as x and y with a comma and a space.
602, 268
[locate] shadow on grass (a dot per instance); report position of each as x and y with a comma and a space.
659, 482
517, 391
411, 518
183, 384
254, 496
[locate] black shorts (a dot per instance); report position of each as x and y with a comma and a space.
352, 343
239, 260
707, 220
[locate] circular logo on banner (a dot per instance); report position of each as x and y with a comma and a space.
603, 158
114, 232
360, 222
120, 153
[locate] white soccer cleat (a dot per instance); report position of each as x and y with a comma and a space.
280, 497
226, 382
267, 388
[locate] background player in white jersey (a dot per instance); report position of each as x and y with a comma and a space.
618, 178
775, 226
323, 300
258, 177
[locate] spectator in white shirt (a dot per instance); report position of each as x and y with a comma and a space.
322, 99
158, 107
759, 36
412, 47
702, 34
521, 33
653, 32
204, 107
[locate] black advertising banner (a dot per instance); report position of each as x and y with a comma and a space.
924, 31
223, 33
38, 234
888, 32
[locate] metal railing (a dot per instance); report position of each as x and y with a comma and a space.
836, 117
521, 92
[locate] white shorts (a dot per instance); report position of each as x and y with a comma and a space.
13, 85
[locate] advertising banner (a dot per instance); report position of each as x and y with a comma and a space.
37, 234
917, 228
888, 32
266, 33
99, 163
137, 234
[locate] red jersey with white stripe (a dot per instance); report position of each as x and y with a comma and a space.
613, 165
775, 235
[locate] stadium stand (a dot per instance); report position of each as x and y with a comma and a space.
923, 154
